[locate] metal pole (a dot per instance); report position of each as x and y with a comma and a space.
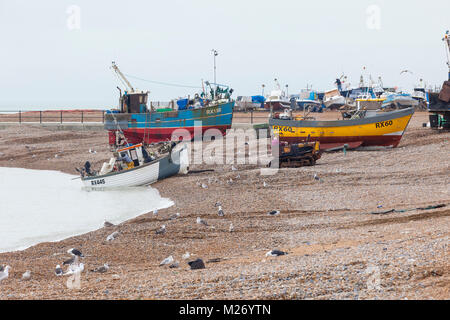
215, 53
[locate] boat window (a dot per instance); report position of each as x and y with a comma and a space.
133, 154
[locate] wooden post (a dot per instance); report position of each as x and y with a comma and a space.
61, 116
40, 116
20, 116
103, 116
251, 116
82, 117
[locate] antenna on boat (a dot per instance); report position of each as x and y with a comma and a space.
215, 53
121, 77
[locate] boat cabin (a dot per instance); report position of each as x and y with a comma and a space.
134, 102
134, 152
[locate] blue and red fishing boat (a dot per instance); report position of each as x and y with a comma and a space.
135, 122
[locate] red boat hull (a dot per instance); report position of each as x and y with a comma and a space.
151, 135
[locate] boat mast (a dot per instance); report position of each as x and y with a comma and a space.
122, 77
446, 40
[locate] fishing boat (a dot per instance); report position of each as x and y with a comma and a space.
381, 129
139, 123
140, 170
278, 99
333, 100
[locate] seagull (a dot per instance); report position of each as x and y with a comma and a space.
274, 213
406, 71
231, 227
264, 184
187, 255
5, 273
220, 212
316, 177
167, 260
174, 216
233, 168
101, 269
204, 186
58, 271
155, 212
92, 151
201, 221
112, 236
70, 261
26, 276
108, 224
161, 230
75, 252
230, 181
275, 253
174, 265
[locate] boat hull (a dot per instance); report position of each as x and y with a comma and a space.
277, 105
159, 126
145, 174
381, 130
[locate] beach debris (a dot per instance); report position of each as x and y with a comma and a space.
316, 177
233, 168
167, 260
161, 230
275, 253
214, 260
92, 151
274, 213
58, 270
174, 265
231, 229
175, 216
112, 236
186, 256
104, 268
201, 221
379, 206
204, 186
220, 212
26, 275
56, 156
108, 224
197, 264
238, 176
5, 273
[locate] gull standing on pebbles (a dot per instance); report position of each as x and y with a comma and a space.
220, 212
167, 260
274, 213
275, 253
201, 221
155, 212
26, 276
112, 236
58, 270
204, 186
108, 224
102, 269
264, 184
233, 168
161, 230
231, 227
75, 252
174, 216
92, 151
5, 273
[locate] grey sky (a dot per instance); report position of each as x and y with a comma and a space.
43, 63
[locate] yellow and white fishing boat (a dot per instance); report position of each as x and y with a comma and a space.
382, 129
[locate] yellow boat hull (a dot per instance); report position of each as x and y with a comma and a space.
385, 129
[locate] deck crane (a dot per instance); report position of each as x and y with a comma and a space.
122, 78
